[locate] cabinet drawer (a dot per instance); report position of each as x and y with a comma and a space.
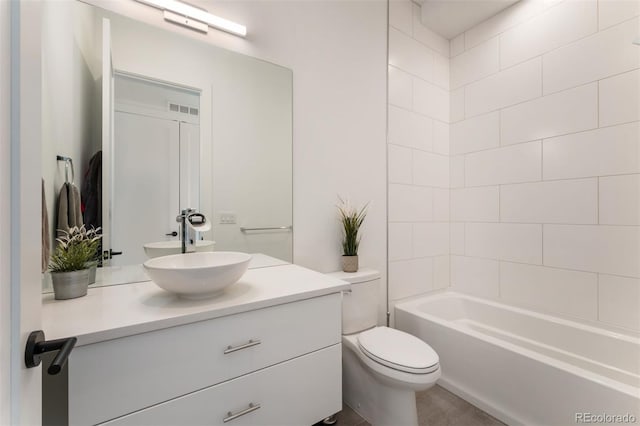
298, 392
113, 378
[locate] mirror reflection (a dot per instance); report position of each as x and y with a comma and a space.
153, 123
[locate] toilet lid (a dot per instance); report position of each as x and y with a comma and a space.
398, 350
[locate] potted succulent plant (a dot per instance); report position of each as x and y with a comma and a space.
69, 263
351, 219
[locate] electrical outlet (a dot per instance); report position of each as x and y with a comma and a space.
228, 218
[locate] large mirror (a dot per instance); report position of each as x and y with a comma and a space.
145, 122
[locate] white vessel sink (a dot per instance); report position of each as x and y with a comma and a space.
166, 248
197, 275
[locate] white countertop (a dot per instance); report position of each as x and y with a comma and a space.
116, 311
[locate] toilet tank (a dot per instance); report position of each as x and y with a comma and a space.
360, 306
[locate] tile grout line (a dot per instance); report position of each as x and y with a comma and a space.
598, 200
598, 296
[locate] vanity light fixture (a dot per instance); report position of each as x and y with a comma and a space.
193, 17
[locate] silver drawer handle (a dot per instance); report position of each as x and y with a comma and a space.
230, 416
250, 343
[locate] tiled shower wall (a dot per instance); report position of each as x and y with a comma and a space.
545, 160
418, 155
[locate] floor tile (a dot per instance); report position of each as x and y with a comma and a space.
436, 407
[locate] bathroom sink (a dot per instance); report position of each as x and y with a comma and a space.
165, 248
197, 275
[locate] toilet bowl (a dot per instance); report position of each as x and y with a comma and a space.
382, 367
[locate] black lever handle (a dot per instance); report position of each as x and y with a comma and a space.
36, 346
172, 234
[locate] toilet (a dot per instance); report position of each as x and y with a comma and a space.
382, 368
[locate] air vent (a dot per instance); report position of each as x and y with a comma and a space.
183, 109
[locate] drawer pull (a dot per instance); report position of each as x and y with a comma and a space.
230, 416
249, 344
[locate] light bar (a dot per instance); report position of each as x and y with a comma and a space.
200, 15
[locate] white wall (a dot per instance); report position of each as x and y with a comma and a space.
337, 51
418, 155
69, 95
545, 105
5, 223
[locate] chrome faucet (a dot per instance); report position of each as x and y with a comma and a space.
191, 224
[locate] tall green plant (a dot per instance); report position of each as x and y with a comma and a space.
351, 219
74, 249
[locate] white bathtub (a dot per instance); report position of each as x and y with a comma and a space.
528, 368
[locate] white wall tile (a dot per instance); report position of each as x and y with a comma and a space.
570, 111
410, 277
475, 134
504, 241
603, 54
559, 25
400, 241
400, 164
441, 268
409, 203
512, 164
612, 12
456, 45
457, 104
430, 169
430, 100
620, 200
441, 205
430, 239
441, 71
457, 238
475, 276
400, 15
425, 36
509, 87
441, 137
620, 301
607, 151
457, 171
400, 88
562, 201
410, 129
475, 204
619, 100
554, 290
410, 55
475, 63
501, 22
594, 248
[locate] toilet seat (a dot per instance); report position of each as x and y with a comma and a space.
398, 350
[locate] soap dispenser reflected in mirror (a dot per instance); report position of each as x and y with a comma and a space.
192, 224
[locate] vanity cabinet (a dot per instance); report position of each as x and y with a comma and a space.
276, 365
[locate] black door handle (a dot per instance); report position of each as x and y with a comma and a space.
172, 234
36, 346
114, 253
